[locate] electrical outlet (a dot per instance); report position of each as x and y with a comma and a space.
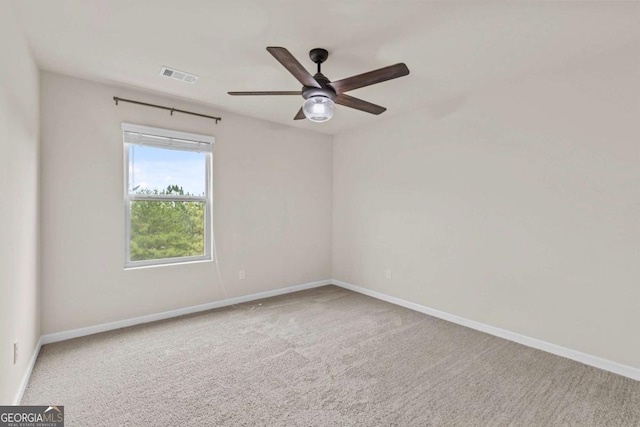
388, 274
15, 352
241, 275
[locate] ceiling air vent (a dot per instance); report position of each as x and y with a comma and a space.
178, 75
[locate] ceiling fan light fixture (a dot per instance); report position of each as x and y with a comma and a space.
318, 108
320, 93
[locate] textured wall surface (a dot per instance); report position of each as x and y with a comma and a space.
516, 206
19, 210
271, 207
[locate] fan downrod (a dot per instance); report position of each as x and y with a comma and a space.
319, 55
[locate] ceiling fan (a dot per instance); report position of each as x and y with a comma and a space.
320, 93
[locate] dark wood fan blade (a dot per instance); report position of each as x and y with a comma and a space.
358, 104
281, 92
300, 115
293, 66
370, 78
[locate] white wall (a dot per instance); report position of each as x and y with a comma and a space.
272, 207
519, 209
19, 255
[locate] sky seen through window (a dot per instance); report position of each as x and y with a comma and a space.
156, 168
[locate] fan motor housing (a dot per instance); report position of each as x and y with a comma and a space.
326, 90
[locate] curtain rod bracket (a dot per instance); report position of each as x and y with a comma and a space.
171, 110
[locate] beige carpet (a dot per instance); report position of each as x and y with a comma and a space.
321, 357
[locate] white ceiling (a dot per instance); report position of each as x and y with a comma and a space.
452, 48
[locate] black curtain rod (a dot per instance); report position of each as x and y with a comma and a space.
116, 99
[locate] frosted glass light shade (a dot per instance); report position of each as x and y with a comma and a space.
318, 108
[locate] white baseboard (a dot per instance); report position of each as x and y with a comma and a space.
607, 365
27, 374
587, 359
90, 330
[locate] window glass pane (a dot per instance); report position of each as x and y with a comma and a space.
162, 171
166, 229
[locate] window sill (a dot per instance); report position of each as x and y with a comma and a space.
167, 264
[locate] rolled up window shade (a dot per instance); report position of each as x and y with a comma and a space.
163, 138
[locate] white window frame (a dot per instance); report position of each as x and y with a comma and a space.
168, 139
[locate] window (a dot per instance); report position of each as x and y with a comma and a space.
167, 196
